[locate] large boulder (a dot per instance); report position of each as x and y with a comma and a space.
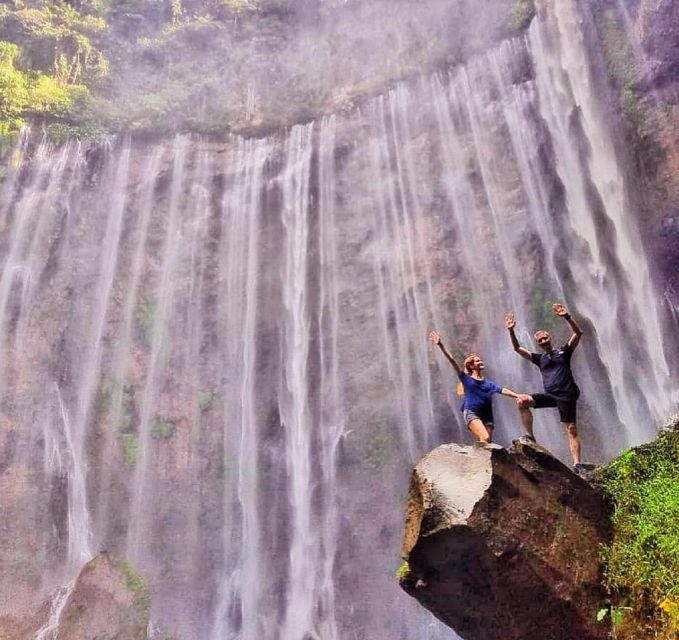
109, 600
505, 544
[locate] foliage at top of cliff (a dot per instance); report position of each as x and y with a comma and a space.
81, 67
642, 562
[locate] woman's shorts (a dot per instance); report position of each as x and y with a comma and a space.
470, 415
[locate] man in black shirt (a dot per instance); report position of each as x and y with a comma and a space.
560, 388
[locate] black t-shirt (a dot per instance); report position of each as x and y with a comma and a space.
555, 368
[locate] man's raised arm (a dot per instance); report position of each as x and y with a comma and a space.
562, 312
510, 323
436, 339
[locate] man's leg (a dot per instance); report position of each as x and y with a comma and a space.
568, 415
573, 441
480, 431
527, 415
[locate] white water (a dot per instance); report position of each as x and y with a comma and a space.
237, 334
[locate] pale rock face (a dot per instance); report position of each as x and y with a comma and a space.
505, 544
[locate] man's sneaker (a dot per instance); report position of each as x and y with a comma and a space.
526, 439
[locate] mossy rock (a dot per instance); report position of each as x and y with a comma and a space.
642, 562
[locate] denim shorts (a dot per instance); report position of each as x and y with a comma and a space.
469, 415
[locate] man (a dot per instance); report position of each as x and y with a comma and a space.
561, 391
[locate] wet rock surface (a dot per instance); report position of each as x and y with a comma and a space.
505, 544
109, 601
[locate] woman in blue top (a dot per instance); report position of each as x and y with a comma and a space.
477, 408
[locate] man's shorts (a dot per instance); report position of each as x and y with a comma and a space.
566, 406
470, 415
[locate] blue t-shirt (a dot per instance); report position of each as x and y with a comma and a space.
478, 395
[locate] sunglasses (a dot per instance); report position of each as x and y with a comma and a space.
543, 340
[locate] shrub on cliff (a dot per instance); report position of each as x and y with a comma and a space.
642, 562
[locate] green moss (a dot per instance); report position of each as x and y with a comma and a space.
162, 428
206, 399
642, 562
521, 13
378, 451
622, 63
619, 54
137, 585
130, 444
403, 572
107, 389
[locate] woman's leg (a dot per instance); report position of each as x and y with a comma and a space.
483, 433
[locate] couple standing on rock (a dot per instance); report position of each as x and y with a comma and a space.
560, 389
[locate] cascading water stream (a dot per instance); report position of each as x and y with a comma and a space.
240, 593
294, 409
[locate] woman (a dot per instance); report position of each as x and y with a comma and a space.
477, 408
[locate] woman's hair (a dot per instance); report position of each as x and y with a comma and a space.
469, 360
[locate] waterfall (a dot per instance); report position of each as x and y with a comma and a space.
215, 357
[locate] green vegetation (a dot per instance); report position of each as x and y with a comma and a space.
135, 582
642, 562
378, 451
47, 61
619, 54
130, 444
206, 399
162, 428
520, 15
623, 65
107, 395
84, 69
403, 572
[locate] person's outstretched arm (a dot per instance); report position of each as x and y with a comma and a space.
562, 312
510, 323
436, 339
509, 393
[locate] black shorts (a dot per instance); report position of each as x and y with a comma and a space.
566, 406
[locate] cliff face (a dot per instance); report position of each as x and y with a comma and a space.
657, 24
640, 46
505, 544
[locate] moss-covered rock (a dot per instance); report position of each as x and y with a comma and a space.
642, 561
110, 601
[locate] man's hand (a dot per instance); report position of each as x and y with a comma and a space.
510, 321
559, 310
524, 400
435, 337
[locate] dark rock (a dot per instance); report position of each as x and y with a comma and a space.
505, 544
